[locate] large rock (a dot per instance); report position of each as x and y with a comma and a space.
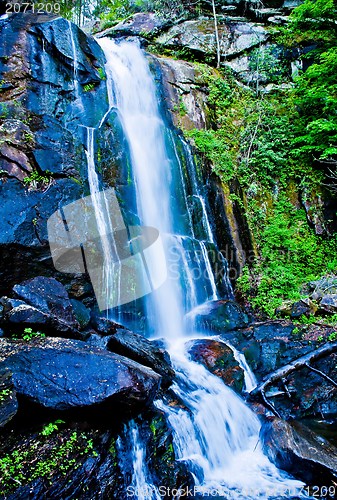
65, 374
49, 296
143, 351
219, 359
143, 24
198, 36
270, 345
43, 303
185, 97
298, 450
219, 316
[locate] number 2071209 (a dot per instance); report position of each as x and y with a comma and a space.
37, 8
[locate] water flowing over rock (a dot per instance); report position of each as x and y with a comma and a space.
219, 360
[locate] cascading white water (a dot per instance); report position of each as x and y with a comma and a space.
215, 432
103, 221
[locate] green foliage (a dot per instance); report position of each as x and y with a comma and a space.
88, 87
35, 179
42, 460
290, 255
29, 334
315, 93
4, 393
51, 427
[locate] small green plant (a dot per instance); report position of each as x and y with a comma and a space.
29, 334
51, 427
88, 87
35, 179
296, 330
4, 393
320, 338
101, 73
332, 337
29, 137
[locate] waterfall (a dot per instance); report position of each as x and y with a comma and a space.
215, 433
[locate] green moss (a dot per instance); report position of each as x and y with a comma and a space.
38, 460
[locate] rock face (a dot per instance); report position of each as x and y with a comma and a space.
64, 375
45, 106
219, 360
296, 449
144, 24
198, 36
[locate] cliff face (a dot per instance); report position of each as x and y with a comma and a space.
43, 120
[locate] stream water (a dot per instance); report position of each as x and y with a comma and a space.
215, 433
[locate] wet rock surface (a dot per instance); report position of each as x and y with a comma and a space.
219, 360
220, 316
138, 348
270, 345
296, 449
65, 374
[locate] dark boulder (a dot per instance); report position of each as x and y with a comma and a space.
220, 316
296, 449
102, 324
219, 359
303, 307
143, 351
269, 345
46, 303
66, 374
8, 401
81, 313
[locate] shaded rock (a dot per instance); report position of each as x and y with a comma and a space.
319, 288
220, 316
102, 324
298, 450
198, 36
81, 313
328, 304
270, 345
65, 374
143, 351
144, 24
50, 297
8, 401
183, 94
219, 360
303, 307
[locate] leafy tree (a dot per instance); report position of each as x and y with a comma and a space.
315, 23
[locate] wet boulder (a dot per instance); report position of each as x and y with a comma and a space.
143, 351
220, 316
219, 359
296, 449
64, 374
